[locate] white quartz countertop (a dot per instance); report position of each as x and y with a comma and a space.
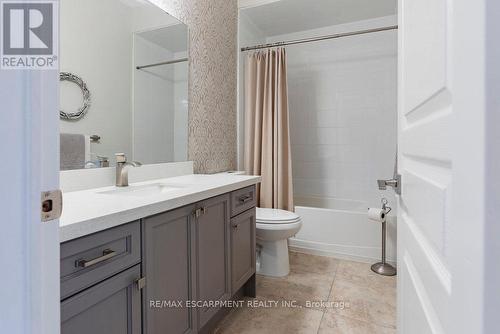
89, 211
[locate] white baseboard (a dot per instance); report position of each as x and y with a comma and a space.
351, 253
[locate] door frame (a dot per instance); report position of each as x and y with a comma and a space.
478, 176
475, 136
492, 176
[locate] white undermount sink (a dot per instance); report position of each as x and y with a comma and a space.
142, 190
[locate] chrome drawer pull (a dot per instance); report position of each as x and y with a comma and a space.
106, 255
199, 212
244, 199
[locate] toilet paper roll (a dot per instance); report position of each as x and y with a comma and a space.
376, 214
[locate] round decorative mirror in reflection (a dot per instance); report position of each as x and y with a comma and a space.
76, 115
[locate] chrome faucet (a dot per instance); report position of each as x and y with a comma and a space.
122, 166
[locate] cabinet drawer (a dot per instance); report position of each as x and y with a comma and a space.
91, 259
242, 249
242, 200
110, 307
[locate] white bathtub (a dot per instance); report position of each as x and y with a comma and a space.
340, 228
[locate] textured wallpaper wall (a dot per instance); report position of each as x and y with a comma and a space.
213, 26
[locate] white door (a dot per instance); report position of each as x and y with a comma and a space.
441, 158
29, 248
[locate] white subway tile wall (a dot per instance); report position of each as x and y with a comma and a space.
343, 116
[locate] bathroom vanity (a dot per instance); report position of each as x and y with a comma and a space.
161, 265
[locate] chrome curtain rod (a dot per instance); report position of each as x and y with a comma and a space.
163, 63
316, 39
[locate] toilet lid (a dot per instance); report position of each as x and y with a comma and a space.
276, 216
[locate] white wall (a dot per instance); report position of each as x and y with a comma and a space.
105, 42
343, 112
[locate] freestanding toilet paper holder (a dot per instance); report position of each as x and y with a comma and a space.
384, 268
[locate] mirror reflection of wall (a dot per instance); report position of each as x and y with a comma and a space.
140, 112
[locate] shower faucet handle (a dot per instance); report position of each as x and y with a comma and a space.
394, 183
382, 185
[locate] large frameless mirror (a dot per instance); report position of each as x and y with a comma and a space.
130, 57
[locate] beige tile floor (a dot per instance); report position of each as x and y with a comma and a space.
369, 301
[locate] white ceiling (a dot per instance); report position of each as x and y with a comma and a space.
288, 16
173, 38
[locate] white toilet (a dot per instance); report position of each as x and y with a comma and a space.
274, 227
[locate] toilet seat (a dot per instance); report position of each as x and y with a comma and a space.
276, 216
290, 228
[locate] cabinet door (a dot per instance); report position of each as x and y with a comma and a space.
242, 248
110, 307
212, 235
168, 265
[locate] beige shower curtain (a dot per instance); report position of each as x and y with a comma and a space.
267, 137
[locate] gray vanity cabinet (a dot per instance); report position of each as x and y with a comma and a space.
242, 248
169, 267
186, 257
213, 254
110, 307
164, 274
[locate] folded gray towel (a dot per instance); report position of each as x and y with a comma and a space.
72, 151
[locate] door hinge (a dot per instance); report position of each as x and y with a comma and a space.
141, 283
51, 205
399, 185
